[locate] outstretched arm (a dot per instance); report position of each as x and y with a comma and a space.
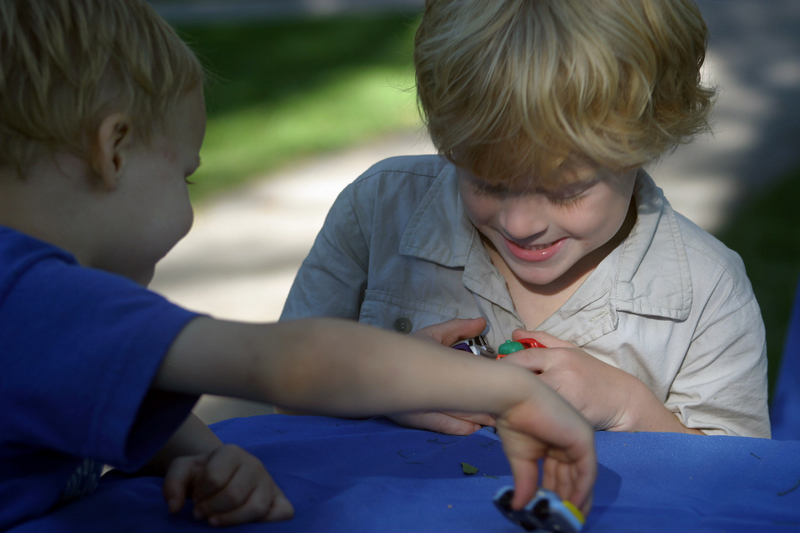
451, 422
342, 368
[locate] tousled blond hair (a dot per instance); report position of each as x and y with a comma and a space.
67, 64
512, 88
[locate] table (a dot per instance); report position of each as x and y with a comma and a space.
372, 475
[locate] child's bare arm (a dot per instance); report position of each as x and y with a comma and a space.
193, 438
452, 422
342, 368
610, 398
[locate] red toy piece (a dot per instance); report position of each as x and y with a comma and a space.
531, 343
510, 347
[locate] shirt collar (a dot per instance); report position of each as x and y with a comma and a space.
653, 270
440, 230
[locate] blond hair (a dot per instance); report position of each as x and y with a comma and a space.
512, 88
67, 64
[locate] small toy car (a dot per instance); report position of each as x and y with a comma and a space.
510, 347
476, 345
545, 512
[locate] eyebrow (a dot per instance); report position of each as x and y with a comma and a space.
570, 189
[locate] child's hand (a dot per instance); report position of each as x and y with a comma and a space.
451, 423
602, 393
228, 486
570, 463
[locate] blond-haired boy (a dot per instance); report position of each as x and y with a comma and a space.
101, 121
538, 215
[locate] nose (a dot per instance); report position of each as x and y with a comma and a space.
524, 218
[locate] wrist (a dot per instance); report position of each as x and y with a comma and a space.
644, 412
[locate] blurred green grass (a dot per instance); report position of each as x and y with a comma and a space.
280, 90
765, 231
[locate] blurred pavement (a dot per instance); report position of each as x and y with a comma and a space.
239, 260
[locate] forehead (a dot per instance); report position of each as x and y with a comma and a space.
187, 120
567, 177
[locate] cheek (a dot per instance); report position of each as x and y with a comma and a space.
479, 209
185, 216
606, 218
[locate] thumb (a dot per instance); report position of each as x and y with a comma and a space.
542, 337
452, 331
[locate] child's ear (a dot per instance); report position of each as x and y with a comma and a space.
110, 153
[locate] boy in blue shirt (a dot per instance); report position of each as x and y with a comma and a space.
101, 122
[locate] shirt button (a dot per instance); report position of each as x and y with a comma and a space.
403, 325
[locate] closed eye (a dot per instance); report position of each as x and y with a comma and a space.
570, 194
565, 200
483, 188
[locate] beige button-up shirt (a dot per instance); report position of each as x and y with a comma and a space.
670, 305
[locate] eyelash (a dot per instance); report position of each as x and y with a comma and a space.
485, 189
565, 200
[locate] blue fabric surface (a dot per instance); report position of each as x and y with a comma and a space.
785, 412
372, 475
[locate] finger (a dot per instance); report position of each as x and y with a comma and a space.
440, 422
536, 360
586, 507
235, 494
482, 419
525, 473
572, 477
221, 466
452, 331
586, 474
180, 476
544, 338
564, 479
550, 474
266, 504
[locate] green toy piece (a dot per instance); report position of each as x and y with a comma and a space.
509, 347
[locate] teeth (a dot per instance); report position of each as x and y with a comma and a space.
535, 247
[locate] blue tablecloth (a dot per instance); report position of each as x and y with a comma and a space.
372, 475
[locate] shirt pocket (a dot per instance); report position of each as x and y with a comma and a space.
402, 314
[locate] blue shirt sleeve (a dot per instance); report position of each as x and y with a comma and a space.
79, 350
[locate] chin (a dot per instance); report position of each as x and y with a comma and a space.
539, 277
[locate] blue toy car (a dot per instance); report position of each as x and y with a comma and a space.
545, 512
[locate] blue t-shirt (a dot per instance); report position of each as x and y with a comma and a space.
79, 348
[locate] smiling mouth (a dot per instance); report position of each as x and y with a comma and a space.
534, 252
535, 247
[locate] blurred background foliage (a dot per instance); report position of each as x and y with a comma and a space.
281, 90
765, 231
